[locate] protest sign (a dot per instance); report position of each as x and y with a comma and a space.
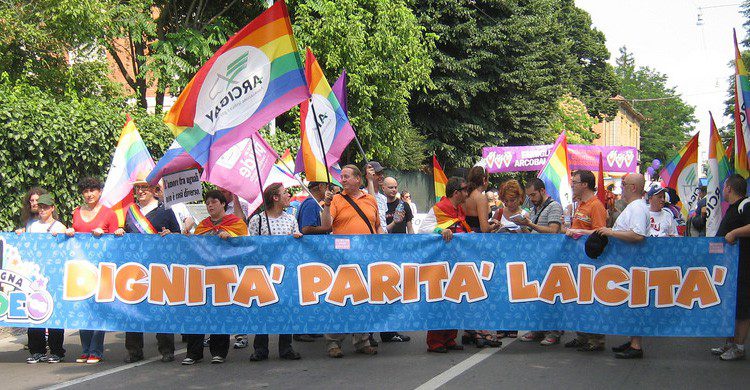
343, 284
182, 187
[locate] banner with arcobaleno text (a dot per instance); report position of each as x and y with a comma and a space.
341, 284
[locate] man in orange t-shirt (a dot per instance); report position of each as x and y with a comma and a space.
341, 217
589, 216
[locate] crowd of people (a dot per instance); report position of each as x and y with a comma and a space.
638, 211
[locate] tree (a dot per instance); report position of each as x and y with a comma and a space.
669, 120
500, 67
386, 55
572, 116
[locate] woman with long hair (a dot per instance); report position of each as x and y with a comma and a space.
97, 219
30, 208
476, 206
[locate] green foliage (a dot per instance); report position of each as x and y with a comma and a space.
386, 55
669, 120
572, 116
52, 141
500, 67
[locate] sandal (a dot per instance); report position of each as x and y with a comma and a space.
468, 337
512, 334
486, 339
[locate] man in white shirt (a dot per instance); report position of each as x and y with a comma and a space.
662, 222
631, 226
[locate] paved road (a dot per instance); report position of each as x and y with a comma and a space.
669, 363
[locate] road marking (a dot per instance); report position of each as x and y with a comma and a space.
447, 375
109, 372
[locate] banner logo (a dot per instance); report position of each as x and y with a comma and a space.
23, 290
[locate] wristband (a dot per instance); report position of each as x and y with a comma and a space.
438, 230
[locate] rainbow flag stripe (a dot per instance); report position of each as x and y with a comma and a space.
439, 177
131, 162
741, 127
256, 76
684, 158
335, 130
556, 172
718, 171
136, 218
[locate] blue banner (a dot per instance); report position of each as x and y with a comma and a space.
342, 284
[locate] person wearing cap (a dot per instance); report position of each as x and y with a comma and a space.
351, 212
588, 216
661, 220
97, 219
148, 216
45, 223
375, 176
735, 227
631, 226
29, 208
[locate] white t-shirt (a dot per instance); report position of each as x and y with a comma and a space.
662, 224
182, 213
635, 218
283, 225
39, 227
244, 205
510, 225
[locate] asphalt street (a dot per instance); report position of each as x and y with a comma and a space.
669, 363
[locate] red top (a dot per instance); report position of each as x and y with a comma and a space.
105, 219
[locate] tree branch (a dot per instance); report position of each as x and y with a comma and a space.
218, 15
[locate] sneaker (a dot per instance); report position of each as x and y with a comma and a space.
189, 361
732, 353
257, 358
630, 353
167, 358
720, 350
398, 338
206, 342
335, 353
291, 355
621, 348
241, 343
217, 360
36, 358
82, 359
551, 338
93, 359
305, 338
590, 348
575, 343
133, 359
373, 342
531, 336
368, 350
54, 359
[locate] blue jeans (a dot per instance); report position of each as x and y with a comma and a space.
92, 342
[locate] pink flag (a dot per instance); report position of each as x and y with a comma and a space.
234, 167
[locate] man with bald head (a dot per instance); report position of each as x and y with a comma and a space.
398, 215
631, 226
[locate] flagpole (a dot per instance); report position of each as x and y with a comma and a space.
260, 183
320, 138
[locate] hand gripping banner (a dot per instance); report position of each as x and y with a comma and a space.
341, 284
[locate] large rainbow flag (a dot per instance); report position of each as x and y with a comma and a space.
131, 162
256, 76
556, 172
324, 126
741, 112
718, 171
681, 174
175, 159
440, 179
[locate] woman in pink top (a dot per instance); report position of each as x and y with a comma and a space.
97, 219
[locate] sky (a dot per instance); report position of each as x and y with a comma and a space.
664, 35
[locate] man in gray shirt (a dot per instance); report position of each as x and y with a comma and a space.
546, 217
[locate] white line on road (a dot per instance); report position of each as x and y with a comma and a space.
109, 372
447, 375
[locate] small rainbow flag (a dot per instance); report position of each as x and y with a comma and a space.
556, 172
131, 161
741, 101
324, 125
680, 173
718, 171
280, 174
440, 179
256, 76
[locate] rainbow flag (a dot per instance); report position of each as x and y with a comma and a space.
681, 174
718, 171
741, 112
280, 174
131, 162
440, 179
324, 125
175, 159
556, 173
256, 76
